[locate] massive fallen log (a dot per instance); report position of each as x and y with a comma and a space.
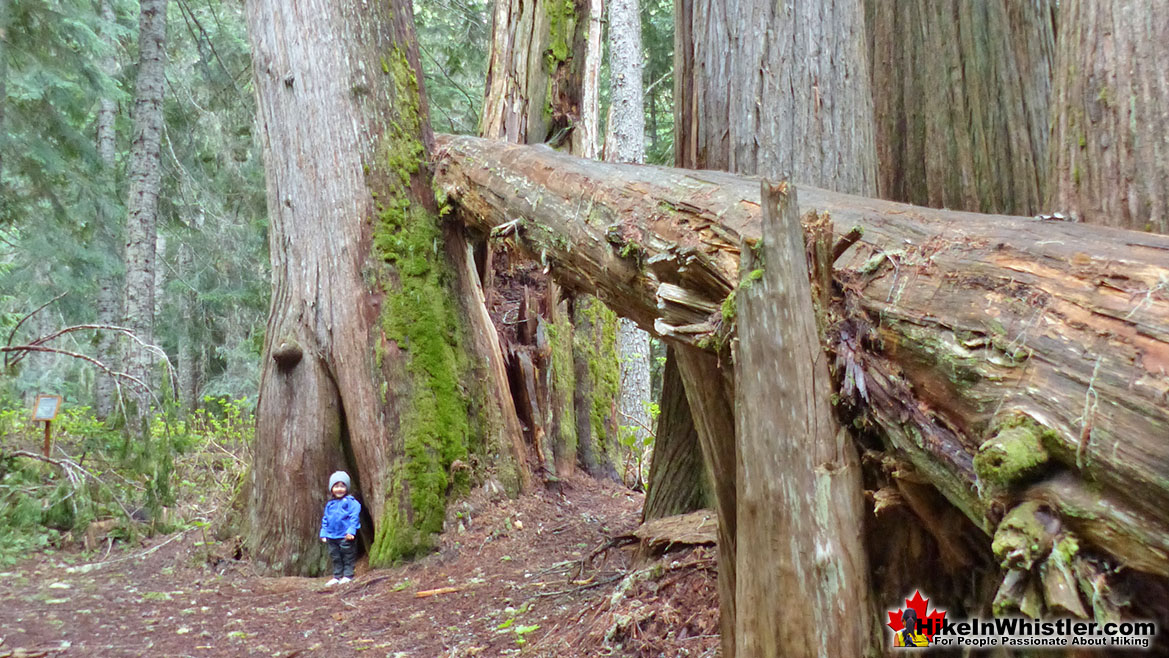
995, 352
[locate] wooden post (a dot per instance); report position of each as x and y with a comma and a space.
48, 437
800, 502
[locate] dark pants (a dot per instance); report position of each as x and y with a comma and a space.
344, 555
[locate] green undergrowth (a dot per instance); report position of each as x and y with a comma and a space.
181, 472
419, 315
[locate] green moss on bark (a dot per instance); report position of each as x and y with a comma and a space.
1014, 454
599, 348
418, 314
563, 384
561, 24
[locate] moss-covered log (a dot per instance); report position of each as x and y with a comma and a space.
962, 324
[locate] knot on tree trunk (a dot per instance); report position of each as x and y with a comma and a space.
287, 354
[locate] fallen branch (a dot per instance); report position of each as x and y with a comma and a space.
68, 466
86, 568
435, 592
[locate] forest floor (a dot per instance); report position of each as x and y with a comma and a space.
525, 577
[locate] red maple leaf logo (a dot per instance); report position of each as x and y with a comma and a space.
930, 623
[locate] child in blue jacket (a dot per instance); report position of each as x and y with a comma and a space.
339, 527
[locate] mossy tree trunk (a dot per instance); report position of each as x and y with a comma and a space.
962, 107
1110, 133
539, 64
598, 380
969, 333
365, 357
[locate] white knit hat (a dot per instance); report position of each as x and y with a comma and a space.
339, 476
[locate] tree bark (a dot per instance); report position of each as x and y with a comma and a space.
598, 378
108, 296
543, 87
798, 102
1110, 136
365, 358
800, 498
710, 392
980, 143
492, 401
536, 70
145, 170
678, 479
625, 142
979, 322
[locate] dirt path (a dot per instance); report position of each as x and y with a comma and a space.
515, 580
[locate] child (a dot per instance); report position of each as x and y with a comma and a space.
339, 526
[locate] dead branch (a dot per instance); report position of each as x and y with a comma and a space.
12, 334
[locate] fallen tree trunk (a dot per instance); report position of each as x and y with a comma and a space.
969, 335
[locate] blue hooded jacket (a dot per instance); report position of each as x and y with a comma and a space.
341, 518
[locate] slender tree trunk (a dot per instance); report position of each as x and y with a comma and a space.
625, 142
145, 171
160, 278
585, 134
980, 143
3, 106
1110, 135
189, 364
678, 477
365, 354
108, 231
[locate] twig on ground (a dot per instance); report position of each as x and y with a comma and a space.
581, 588
434, 592
86, 568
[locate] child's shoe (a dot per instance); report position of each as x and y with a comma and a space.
333, 581
344, 580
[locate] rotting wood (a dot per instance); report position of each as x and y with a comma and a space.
963, 323
699, 527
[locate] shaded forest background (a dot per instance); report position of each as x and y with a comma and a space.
68, 74
212, 281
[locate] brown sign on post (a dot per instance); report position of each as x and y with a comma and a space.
46, 407
45, 410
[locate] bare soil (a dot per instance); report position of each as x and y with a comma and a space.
526, 577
